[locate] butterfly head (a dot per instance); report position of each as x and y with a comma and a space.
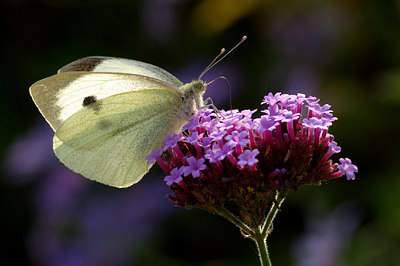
194, 90
192, 98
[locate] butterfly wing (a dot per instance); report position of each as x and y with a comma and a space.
108, 140
120, 65
60, 96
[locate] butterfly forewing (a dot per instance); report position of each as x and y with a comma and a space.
121, 65
60, 96
108, 140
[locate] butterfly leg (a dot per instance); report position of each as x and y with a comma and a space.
208, 103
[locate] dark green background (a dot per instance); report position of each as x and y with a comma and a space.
345, 52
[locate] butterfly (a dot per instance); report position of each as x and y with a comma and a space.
109, 113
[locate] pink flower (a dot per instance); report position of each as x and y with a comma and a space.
194, 167
348, 168
248, 157
231, 157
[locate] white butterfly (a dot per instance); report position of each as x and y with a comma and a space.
109, 113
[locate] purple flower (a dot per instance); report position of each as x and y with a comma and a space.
228, 114
334, 147
248, 113
248, 157
175, 176
207, 114
300, 98
271, 99
193, 124
195, 166
320, 110
273, 110
288, 101
265, 123
311, 101
325, 124
172, 141
226, 150
315, 122
210, 126
348, 168
211, 154
230, 156
237, 138
288, 116
152, 157
195, 137
206, 142
216, 135
228, 123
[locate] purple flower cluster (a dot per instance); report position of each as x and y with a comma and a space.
230, 157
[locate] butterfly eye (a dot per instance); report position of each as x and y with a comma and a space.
89, 100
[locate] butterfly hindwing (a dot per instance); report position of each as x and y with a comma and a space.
108, 140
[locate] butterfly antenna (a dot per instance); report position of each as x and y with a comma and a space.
218, 58
212, 62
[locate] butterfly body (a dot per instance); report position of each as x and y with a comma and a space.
192, 99
109, 113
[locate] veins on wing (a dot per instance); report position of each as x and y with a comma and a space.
105, 124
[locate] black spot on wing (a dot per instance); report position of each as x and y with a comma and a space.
84, 64
91, 102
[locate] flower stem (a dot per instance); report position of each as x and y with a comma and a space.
261, 242
233, 219
267, 226
258, 233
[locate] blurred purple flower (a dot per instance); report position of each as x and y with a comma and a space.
302, 78
75, 221
305, 34
304, 39
159, 19
326, 239
30, 156
96, 227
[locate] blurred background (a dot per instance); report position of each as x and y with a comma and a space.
345, 52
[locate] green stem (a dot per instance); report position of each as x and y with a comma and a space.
235, 220
259, 233
261, 242
267, 226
